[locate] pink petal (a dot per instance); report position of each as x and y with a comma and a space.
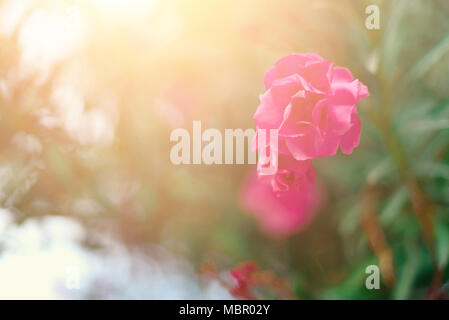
288, 65
341, 74
352, 138
297, 118
328, 146
341, 118
318, 74
303, 147
293, 175
284, 89
363, 91
268, 115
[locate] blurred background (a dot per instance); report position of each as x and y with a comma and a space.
92, 207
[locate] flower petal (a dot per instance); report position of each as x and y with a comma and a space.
351, 139
268, 115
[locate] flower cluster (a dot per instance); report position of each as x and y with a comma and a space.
312, 105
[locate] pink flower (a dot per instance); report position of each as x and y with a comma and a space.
313, 104
290, 175
278, 214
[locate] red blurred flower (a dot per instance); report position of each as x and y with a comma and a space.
248, 277
243, 275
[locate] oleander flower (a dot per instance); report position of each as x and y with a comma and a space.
290, 174
279, 214
313, 105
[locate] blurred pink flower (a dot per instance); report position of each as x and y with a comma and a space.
313, 104
279, 214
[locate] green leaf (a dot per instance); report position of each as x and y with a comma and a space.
426, 125
383, 169
393, 207
425, 63
432, 169
442, 238
392, 41
408, 273
349, 222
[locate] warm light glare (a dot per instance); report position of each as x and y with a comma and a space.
123, 9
